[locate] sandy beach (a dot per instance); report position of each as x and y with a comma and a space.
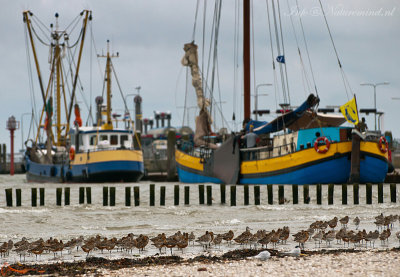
335, 262
366, 263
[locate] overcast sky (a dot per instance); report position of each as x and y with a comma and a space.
149, 36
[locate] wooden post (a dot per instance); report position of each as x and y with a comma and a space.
162, 196
18, 195
393, 193
128, 196
34, 197
105, 196
58, 196
201, 194
153, 195
233, 195
176, 195
270, 195
306, 194
355, 159
209, 195
88, 195
67, 192
81, 195
380, 193
319, 194
281, 194
136, 195
187, 194
356, 198
368, 188
257, 198
246, 194
331, 188
112, 196
42, 196
344, 194
222, 188
295, 193
9, 197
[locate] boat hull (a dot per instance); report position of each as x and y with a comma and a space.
306, 166
99, 166
191, 169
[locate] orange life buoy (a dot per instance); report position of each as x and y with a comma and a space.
383, 141
327, 145
72, 153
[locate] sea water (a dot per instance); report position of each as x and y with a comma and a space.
66, 222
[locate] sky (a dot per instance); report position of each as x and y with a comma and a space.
149, 36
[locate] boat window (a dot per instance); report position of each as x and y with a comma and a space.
93, 140
123, 139
72, 139
103, 137
114, 139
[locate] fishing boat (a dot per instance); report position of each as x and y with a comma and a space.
98, 153
300, 146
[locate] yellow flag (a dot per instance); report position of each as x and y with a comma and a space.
349, 110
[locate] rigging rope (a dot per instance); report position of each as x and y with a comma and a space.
37, 36
306, 44
90, 117
235, 63
45, 33
283, 52
119, 87
186, 97
279, 52
216, 22
306, 82
276, 87
337, 55
75, 21
195, 20
30, 75
78, 39
202, 49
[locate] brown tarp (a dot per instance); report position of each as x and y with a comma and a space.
312, 120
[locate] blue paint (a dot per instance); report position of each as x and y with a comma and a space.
189, 177
333, 171
104, 167
43, 171
309, 135
373, 170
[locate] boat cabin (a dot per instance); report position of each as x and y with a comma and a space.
93, 139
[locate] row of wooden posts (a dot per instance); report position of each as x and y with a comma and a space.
109, 195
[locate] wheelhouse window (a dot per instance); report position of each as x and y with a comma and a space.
114, 139
123, 139
93, 140
103, 137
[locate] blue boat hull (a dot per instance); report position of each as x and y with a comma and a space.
335, 171
115, 171
185, 176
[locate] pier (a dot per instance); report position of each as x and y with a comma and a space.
200, 194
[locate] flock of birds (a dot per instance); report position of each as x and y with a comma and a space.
319, 231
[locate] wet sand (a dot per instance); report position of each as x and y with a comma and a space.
338, 262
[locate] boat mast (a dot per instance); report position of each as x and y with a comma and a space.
246, 58
28, 26
108, 125
88, 15
57, 57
